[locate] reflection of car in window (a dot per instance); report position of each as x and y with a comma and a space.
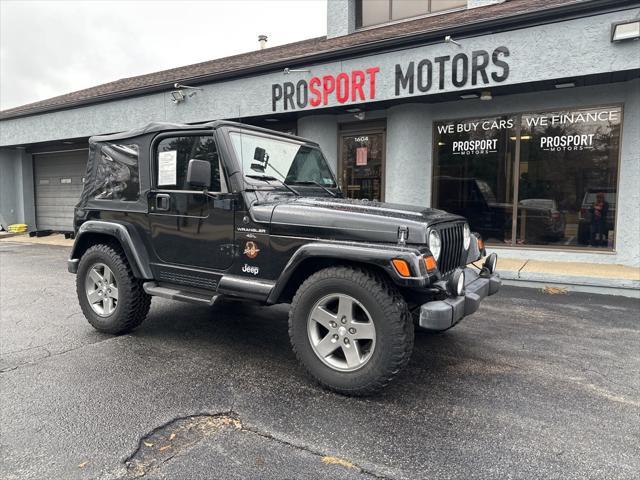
474, 199
543, 219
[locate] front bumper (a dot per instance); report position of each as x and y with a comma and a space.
444, 314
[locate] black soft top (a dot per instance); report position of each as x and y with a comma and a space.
118, 166
157, 127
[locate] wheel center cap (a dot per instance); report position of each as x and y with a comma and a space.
342, 331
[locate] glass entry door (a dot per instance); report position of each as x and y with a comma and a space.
362, 165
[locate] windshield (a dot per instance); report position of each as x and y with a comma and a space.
286, 160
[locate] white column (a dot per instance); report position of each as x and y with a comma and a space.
324, 130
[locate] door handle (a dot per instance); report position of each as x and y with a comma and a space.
163, 201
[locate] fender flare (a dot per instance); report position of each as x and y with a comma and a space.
376, 255
125, 234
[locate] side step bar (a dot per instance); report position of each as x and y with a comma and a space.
152, 288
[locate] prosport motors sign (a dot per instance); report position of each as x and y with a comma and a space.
427, 75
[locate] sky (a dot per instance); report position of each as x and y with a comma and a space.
51, 47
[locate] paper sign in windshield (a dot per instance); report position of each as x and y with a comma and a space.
167, 164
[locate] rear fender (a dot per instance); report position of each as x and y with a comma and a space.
126, 235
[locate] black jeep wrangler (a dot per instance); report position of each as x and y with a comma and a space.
198, 213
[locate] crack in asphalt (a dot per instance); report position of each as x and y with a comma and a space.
48, 355
142, 461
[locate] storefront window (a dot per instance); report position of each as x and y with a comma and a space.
553, 174
473, 168
568, 177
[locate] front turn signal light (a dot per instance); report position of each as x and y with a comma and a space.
402, 267
480, 244
430, 263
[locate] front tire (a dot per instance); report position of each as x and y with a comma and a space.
350, 329
111, 298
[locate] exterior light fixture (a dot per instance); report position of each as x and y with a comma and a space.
271, 120
448, 39
180, 86
360, 115
288, 70
468, 96
566, 85
629, 30
177, 96
353, 110
486, 95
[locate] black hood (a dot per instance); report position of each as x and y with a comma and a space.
347, 219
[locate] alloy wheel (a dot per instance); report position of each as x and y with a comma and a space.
341, 332
101, 289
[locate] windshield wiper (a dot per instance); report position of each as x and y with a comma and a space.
313, 182
269, 178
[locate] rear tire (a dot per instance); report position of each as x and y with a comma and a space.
111, 297
354, 353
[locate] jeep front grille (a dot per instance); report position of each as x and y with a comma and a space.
452, 247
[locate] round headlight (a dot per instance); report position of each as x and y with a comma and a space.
466, 236
435, 244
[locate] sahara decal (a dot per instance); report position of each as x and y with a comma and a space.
251, 249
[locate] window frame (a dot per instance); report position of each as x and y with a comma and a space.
390, 20
153, 173
516, 174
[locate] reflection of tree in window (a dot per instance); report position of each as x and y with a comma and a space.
117, 173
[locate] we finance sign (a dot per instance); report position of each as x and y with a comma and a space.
421, 76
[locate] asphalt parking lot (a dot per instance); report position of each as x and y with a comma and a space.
532, 386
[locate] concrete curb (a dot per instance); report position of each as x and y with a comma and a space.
599, 285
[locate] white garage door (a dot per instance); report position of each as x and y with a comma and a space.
58, 185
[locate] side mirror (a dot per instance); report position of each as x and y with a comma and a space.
262, 159
199, 173
259, 154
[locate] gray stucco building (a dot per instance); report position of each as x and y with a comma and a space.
523, 116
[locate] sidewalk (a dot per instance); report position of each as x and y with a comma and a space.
53, 239
581, 277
